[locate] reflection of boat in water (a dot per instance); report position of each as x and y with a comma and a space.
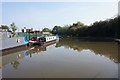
14, 56
35, 49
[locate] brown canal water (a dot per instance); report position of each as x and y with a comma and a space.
68, 58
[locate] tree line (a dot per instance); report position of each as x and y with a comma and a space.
107, 28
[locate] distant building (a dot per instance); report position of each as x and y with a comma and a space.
3, 29
23, 30
31, 31
46, 33
37, 31
5, 34
27, 30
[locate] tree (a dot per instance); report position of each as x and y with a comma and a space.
14, 28
46, 30
64, 30
75, 28
57, 30
107, 28
5, 27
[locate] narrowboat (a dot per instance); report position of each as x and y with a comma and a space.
43, 40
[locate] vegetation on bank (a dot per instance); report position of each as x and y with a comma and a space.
46, 30
11, 29
14, 28
107, 29
99, 29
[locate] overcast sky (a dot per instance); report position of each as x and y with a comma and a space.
48, 14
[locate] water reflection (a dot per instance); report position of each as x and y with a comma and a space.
107, 49
33, 50
15, 64
14, 57
69, 58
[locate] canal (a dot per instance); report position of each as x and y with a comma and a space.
68, 58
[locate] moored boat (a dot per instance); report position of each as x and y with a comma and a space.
43, 40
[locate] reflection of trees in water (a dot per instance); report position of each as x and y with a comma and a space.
108, 49
119, 52
15, 64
